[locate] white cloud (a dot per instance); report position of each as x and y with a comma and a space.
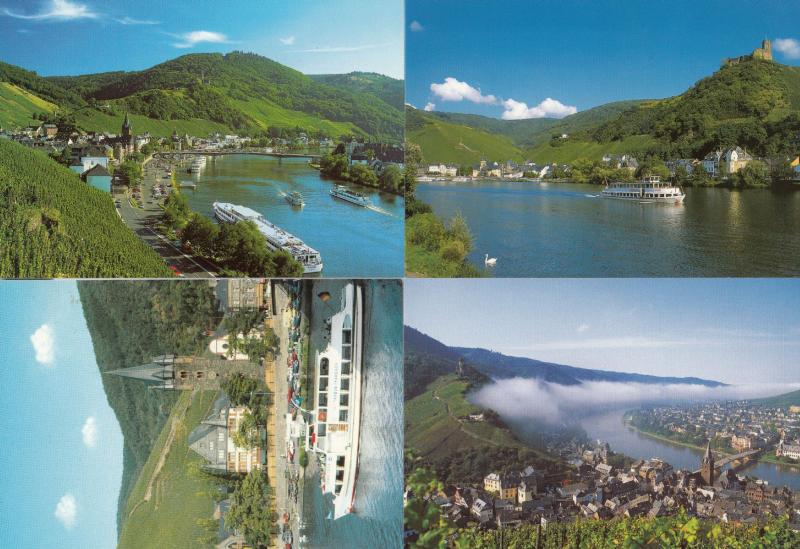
429, 107
288, 41
67, 511
43, 342
131, 21
89, 432
549, 108
525, 398
191, 39
455, 90
788, 47
582, 328
416, 26
57, 10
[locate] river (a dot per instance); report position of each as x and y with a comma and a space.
353, 241
567, 230
608, 426
378, 517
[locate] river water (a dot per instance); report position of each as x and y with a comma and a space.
567, 230
354, 241
608, 426
378, 517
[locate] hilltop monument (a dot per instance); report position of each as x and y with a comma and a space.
185, 373
764, 53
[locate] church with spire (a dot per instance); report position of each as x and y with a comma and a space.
707, 467
125, 143
186, 373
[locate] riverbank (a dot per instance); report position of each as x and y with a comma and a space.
662, 438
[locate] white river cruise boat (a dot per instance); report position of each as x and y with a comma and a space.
198, 164
277, 238
649, 189
334, 433
343, 193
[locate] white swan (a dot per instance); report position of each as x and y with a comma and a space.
490, 260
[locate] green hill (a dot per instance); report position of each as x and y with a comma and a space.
388, 90
780, 401
180, 495
130, 322
18, 106
442, 141
243, 91
534, 131
754, 104
52, 224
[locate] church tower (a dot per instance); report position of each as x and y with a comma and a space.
126, 129
185, 373
707, 466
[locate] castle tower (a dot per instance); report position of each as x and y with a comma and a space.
766, 45
185, 373
707, 466
460, 367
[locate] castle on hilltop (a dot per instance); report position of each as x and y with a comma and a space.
764, 53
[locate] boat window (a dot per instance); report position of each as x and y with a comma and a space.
343, 400
340, 461
346, 384
346, 368
346, 335
323, 367
342, 415
339, 475
323, 399
346, 352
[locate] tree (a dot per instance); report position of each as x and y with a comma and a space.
239, 389
250, 510
303, 459
334, 166
392, 179
248, 435
699, 175
176, 211
200, 235
755, 174
362, 174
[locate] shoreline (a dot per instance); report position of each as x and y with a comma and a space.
766, 458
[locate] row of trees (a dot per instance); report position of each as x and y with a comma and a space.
238, 248
336, 166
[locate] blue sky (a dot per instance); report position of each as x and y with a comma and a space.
730, 330
56, 37
580, 54
62, 457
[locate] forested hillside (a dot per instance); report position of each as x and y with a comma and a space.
389, 90
52, 224
754, 104
130, 322
243, 91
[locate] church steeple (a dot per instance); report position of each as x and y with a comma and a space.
126, 127
707, 466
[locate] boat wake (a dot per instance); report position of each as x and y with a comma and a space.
375, 208
591, 195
